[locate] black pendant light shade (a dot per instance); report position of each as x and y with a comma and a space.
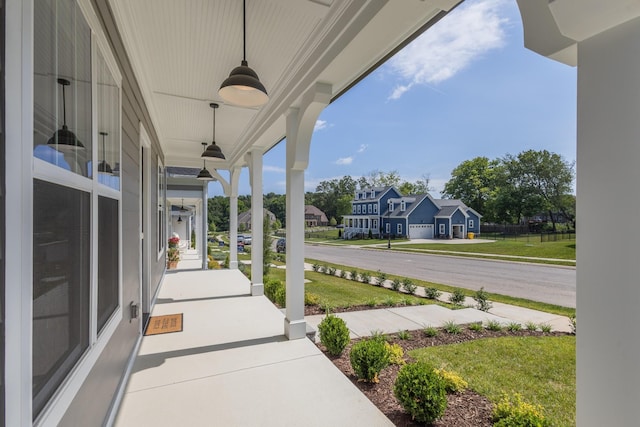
179, 218
63, 139
103, 166
213, 150
204, 174
243, 86
182, 208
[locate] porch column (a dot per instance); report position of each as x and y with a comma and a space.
255, 171
204, 240
300, 124
233, 218
608, 291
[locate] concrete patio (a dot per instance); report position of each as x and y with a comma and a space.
232, 366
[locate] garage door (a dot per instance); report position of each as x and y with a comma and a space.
421, 231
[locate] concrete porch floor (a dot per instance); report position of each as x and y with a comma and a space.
232, 366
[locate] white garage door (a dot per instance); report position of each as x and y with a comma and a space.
421, 231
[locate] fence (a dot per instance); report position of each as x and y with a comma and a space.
532, 237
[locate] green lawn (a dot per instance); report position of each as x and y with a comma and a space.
337, 292
541, 369
520, 302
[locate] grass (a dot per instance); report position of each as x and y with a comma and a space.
520, 302
336, 292
541, 369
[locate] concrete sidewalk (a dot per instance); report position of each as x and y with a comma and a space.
232, 366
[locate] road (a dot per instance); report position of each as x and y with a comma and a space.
537, 282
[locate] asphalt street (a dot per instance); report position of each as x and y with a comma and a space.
537, 282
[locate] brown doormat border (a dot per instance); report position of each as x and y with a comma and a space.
164, 324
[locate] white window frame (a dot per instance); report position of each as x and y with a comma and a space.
399, 228
357, 195
388, 227
353, 209
369, 208
373, 194
359, 208
403, 205
441, 228
375, 208
60, 401
470, 223
391, 206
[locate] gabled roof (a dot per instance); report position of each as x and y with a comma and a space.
456, 202
448, 211
312, 210
410, 205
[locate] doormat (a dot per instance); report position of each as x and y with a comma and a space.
164, 324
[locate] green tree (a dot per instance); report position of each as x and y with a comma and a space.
267, 253
473, 182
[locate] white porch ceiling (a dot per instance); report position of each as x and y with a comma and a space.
182, 50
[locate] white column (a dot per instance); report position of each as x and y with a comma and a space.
233, 218
608, 267
203, 240
257, 222
300, 124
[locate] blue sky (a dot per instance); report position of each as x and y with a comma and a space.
465, 88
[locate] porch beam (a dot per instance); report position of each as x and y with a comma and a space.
254, 158
300, 124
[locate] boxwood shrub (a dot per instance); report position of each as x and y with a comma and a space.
421, 392
334, 334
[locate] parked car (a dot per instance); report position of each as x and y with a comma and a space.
247, 240
281, 246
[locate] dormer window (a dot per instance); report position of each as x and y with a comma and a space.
373, 194
364, 195
390, 206
403, 205
357, 195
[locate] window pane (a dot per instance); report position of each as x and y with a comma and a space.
62, 108
108, 272
108, 106
61, 281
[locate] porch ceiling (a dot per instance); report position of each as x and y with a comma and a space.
182, 50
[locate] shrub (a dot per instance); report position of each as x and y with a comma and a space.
311, 298
514, 326
382, 277
334, 334
396, 284
372, 302
366, 278
409, 286
226, 262
545, 327
451, 327
457, 297
331, 271
315, 266
213, 264
354, 275
430, 331
475, 327
453, 383
432, 293
513, 412
404, 335
389, 302
396, 354
271, 287
343, 274
421, 392
281, 296
482, 300
531, 326
494, 325
368, 358
572, 323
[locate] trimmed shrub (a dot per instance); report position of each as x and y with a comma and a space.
482, 300
271, 288
421, 392
331, 271
354, 275
311, 298
368, 358
334, 334
409, 286
396, 284
432, 293
366, 278
343, 274
281, 296
457, 297
396, 354
453, 383
382, 277
511, 411
315, 267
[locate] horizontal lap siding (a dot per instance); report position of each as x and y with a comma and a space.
92, 404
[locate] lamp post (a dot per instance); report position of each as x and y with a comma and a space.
389, 225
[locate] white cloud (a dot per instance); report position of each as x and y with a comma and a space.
441, 52
344, 160
276, 169
362, 148
320, 124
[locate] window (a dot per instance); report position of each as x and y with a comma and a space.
359, 209
470, 223
357, 195
76, 199
375, 224
370, 208
353, 209
441, 229
375, 208
373, 194
390, 206
399, 229
388, 228
403, 205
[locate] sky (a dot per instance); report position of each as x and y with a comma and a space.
465, 88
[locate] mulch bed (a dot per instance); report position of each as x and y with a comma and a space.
463, 409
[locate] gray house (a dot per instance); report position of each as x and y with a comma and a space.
244, 219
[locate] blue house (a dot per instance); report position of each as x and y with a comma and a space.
384, 211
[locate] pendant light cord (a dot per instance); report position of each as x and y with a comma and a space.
244, 30
64, 109
214, 125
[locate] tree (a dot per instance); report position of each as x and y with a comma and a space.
267, 241
420, 186
473, 182
333, 197
378, 178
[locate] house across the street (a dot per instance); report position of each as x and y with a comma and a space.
384, 211
314, 217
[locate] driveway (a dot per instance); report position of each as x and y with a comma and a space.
537, 282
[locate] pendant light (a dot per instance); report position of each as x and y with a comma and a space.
179, 218
213, 150
204, 174
182, 208
63, 139
243, 86
103, 166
